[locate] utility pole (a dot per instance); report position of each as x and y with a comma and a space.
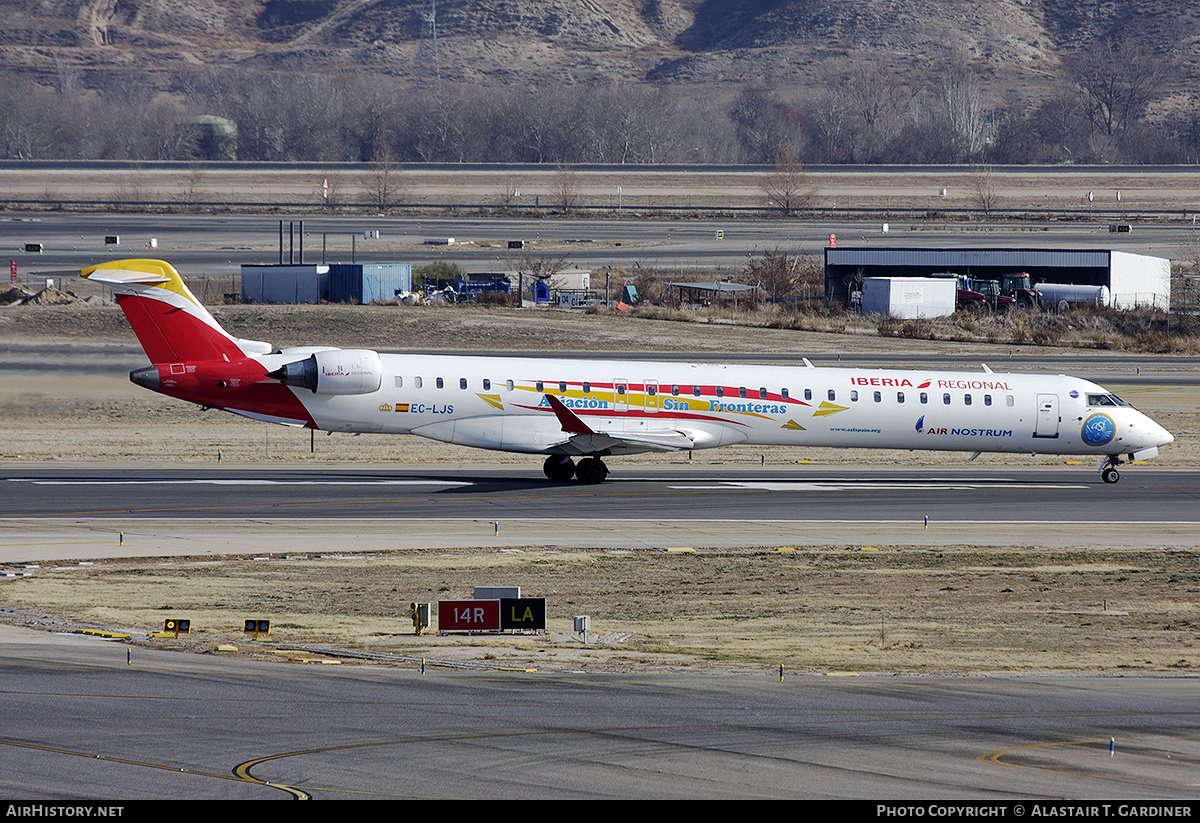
428, 44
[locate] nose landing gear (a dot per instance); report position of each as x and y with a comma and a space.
1108, 469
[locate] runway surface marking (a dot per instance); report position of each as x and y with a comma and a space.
299, 795
996, 758
40, 481
851, 485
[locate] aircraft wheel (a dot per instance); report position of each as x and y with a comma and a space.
1110, 475
559, 468
591, 471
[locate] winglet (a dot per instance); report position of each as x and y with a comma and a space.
570, 421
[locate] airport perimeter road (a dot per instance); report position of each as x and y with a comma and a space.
75, 514
82, 724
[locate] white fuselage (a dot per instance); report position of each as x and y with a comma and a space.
500, 403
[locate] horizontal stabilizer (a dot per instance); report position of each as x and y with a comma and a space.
123, 277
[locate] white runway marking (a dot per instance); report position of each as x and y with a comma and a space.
247, 482
805, 486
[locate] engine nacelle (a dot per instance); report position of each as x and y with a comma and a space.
334, 371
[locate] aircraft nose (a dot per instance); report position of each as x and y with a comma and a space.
1152, 434
1163, 436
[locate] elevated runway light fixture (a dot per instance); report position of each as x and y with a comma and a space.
258, 627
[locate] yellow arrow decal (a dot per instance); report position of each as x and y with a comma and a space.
828, 408
793, 425
491, 400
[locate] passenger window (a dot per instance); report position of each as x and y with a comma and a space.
696, 390
924, 398
462, 383
1008, 400
987, 400
508, 384
967, 399
741, 391
832, 395
674, 390
587, 387
651, 391
541, 386
720, 391
762, 393
399, 382
441, 384
878, 397
620, 390
946, 399
487, 384
853, 395
417, 382
562, 386
899, 397
783, 393
808, 394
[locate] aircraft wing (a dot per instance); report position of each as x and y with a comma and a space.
582, 439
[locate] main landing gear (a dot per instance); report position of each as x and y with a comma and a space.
560, 469
1108, 469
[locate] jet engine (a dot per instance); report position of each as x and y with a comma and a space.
334, 371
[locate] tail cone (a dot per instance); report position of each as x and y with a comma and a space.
147, 378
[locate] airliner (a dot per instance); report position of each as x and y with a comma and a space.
578, 412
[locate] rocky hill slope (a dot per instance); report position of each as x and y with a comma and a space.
1011, 44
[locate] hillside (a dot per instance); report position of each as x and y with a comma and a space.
1012, 44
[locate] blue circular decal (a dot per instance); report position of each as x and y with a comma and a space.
1098, 430
1073, 393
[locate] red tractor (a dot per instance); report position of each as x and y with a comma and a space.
1018, 287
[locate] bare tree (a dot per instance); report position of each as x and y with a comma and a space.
192, 183
534, 267
985, 188
775, 272
566, 186
509, 193
765, 125
383, 183
963, 104
788, 186
1119, 82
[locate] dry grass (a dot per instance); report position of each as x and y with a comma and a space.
916, 610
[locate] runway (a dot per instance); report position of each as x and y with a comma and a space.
75, 514
82, 723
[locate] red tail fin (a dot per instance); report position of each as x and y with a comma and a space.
168, 320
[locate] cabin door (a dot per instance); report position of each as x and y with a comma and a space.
621, 395
1047, 416
651, 397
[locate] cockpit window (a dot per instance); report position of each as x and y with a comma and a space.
1105, 400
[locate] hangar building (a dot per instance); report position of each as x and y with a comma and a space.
1132, 279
